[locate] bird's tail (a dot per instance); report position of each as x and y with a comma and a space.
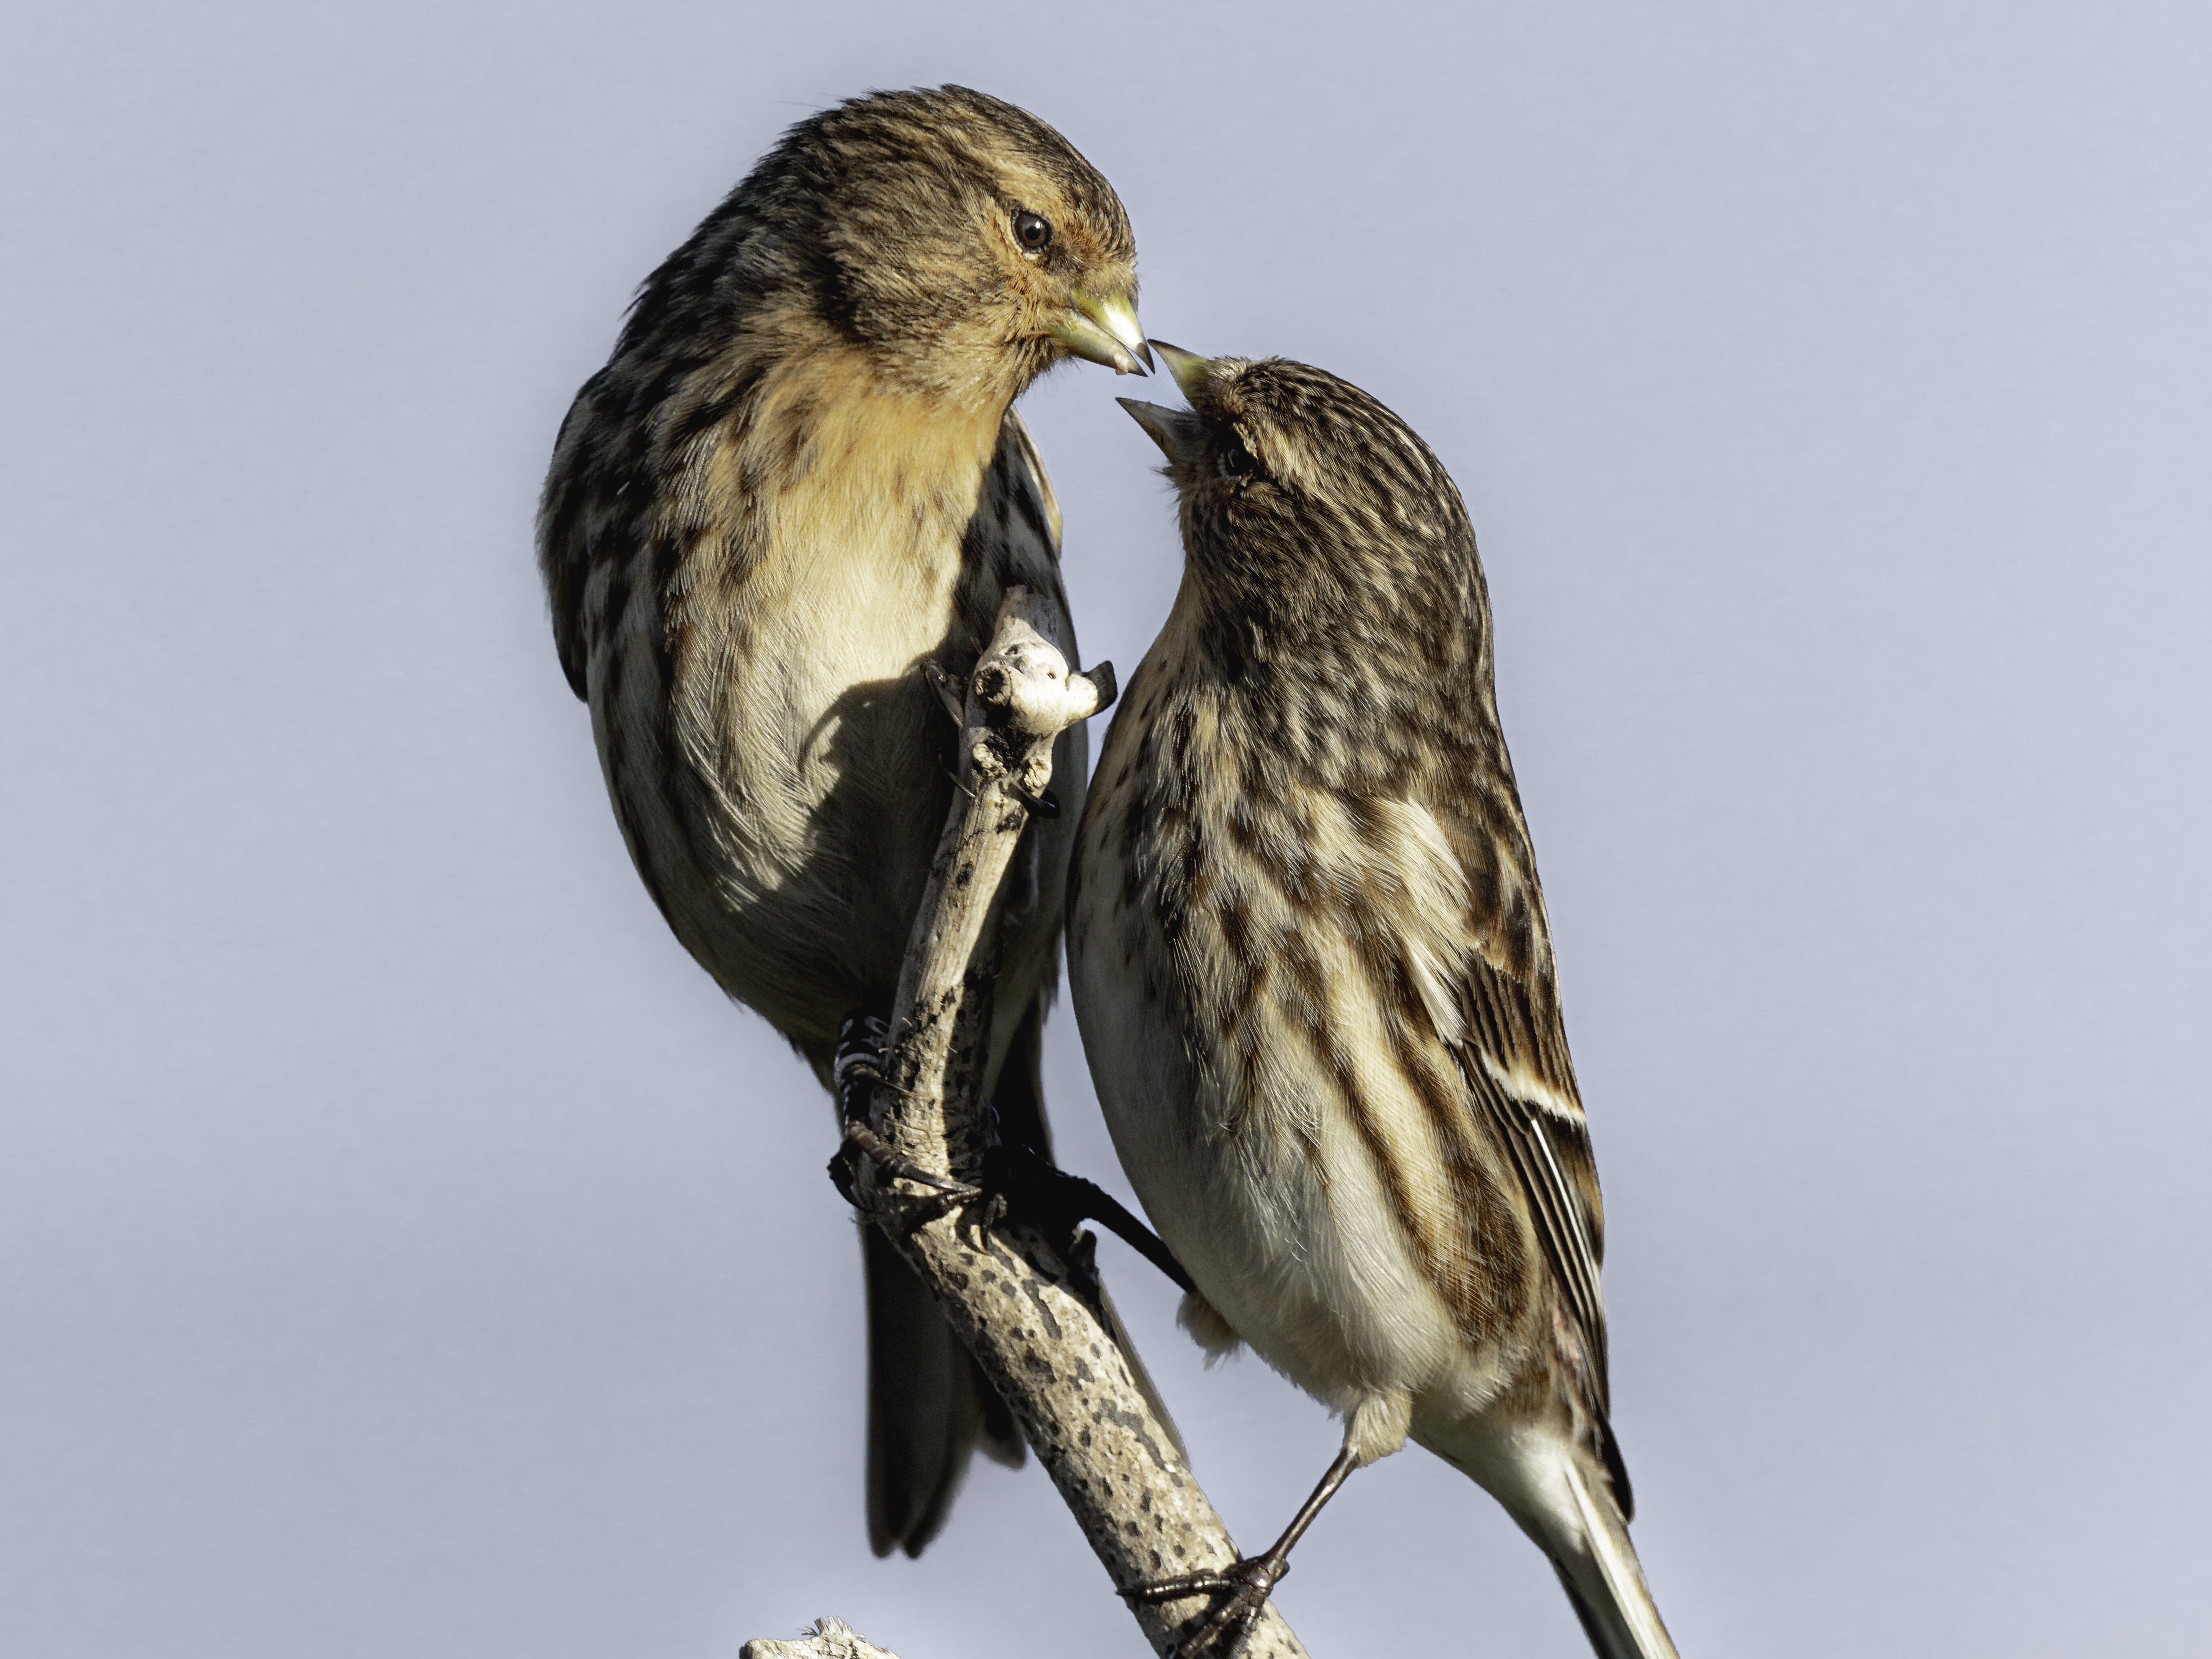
1602, 1576
929, 1404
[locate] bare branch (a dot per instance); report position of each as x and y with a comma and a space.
829, 1638
1005, 1288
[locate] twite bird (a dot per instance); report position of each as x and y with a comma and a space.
1309, 957
798, 478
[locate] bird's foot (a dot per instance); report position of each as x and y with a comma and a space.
951, 688
1018, 1180
1038, 1191
856, 1072
860, 1141
1244, 1588
1041, 805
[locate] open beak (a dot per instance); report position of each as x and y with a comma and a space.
1174, 430
1104, 329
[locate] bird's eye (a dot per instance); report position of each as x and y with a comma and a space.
1237, 461
1033, 231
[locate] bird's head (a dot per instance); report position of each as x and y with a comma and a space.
963, 244
1292, 480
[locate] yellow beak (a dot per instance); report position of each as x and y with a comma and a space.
1104, 329
1190, 370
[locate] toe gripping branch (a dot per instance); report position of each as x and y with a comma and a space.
1018, 1180
1056, 1202
1228, 1624
856, 1072
1244, 1586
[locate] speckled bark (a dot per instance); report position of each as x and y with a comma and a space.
1004, 1288
829, 1638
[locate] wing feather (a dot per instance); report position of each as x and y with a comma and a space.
1492, 955
1039, 481
564, 553
1551, 1154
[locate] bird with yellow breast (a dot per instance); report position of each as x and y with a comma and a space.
798, 479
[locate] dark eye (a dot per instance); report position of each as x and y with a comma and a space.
1237, 461
1033, 231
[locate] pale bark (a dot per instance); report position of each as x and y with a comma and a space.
829, 1638
1005, 1286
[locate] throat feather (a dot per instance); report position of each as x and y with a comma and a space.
847, 466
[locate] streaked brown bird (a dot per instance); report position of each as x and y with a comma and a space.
800, 477
1309, 956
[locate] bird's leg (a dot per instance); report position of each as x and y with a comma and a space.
856, 1072
856, 1067
1248, 1583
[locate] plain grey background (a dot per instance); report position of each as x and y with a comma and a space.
407, 1253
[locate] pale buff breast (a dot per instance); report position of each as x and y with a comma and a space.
811, 788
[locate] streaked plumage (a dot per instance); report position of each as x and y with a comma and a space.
1309, 951
797, 479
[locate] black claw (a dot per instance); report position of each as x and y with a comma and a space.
860, 1141
844, 1164
880, 1154
1046, 806
1017, 1180
1041, 1192
1228, 1625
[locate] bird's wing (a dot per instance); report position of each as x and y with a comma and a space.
1032, 485
1479, 957
630, 489
566, 513
1551, 1150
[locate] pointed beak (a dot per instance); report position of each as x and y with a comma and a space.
1190, 370
1104, 329
1174, 430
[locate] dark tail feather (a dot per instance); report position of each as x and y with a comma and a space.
929, 1403
925, 1404
1018, 1099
